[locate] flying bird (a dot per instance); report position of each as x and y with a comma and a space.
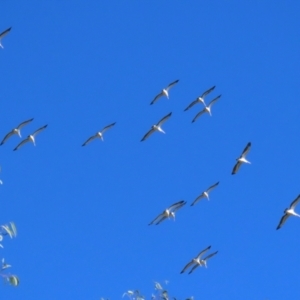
98, 134
207, 109
3, 34
242, 159
15, 131
164, 92
196, 260
289, 212
203, 262
30, 138
201, 98
169, 212
205, 194
157, 127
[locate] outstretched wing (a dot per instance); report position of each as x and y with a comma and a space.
212, 102
174, 207
162, 219
156, 218
164, 119
282, 221
202, 252
171, 85
22, 143
7, 137
212, 187
198, 115
236, 167
89, 139
5, 32
197, 199
39, 130
157, 97
24, 123
107, 127
192, 104
210, 255
247, 149
207, 92
147, 134
187, 266
194, 267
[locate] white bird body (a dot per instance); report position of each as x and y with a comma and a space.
206, 109
201, 98
289, 212
99, 134
205, 194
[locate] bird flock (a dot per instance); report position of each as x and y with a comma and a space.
172, 209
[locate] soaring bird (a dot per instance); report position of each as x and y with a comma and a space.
289, 212
99, 134
201, 98
207, 109
164, 92
3, 34
30, 138
203, 261
242, 159
15, 131
196, 261
205, 194
157, 127
167, 213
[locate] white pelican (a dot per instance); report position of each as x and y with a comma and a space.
200, 99
157, 127
30, 138
164, 92
205, 194
207, 109
98, 134
169, 212
203, 262
15, 131
3, 34
289, 212
196, 260
242, 159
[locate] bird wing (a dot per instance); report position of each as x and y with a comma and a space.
295, 202
212, 102
282, 221
212, 187
22, 143
210, 255
236, 167
39, 130
171, 85
247, 149
198, 115
148, 134
24, 123
194, 267
202, 252
160, 215
192, 104
162, 219
164, 119
107, 127
7, 137
90, 139
176, 205
207, 92
174, 209
5, 32
157, 97
187, 266
197, 199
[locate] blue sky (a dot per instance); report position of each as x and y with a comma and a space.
82, 212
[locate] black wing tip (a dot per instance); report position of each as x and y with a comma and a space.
278, 227
15, 149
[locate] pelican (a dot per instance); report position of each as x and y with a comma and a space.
196, 260
203, 261
289, 212
169, 212
242, 159
98, 134
205, 194
207, 109
15, 131
30, 138
201, 98
164, 92
157, 127
3, 34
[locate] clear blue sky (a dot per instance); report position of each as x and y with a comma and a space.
82, 212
